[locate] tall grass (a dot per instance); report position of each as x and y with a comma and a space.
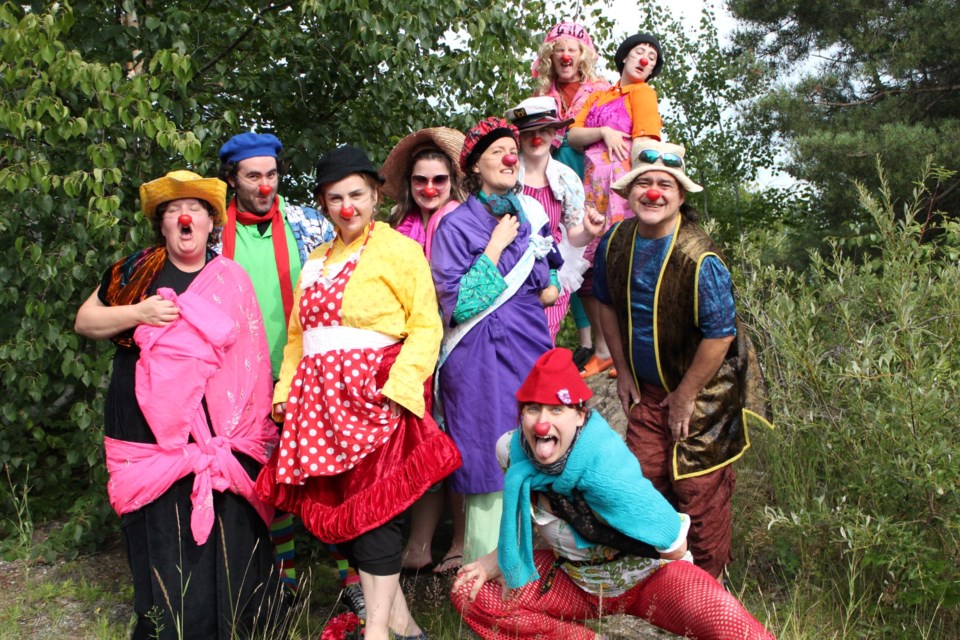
861, 516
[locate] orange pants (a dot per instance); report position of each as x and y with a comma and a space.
706, 498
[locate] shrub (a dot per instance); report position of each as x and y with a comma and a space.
864, 370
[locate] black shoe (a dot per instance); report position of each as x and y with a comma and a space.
581, 355
353, 598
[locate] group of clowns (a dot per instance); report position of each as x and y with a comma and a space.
278, 363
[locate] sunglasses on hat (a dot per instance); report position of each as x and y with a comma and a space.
650, 156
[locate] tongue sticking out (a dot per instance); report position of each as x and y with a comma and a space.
265, 189
653, 195
185, 220
510, 159
536, 141
546, 447
430, 192
347, 212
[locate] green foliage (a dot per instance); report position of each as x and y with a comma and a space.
864, 369
857, 79
98, 97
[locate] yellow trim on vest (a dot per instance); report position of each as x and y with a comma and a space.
656, 301
696, 287
745, 416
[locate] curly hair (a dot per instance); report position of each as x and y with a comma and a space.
157, 223
548, 77
406, 203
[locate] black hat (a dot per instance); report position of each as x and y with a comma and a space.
341, 162
627, 46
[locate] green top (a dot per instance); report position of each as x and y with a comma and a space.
254, 252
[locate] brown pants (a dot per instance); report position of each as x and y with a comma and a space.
706, 498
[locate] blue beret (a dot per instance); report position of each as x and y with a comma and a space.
250, 145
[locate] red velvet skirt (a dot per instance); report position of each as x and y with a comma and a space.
384, 484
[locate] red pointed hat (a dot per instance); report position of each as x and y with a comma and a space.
554, 379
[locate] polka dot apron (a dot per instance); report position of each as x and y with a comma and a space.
336, 414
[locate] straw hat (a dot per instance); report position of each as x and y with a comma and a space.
651, 155
184, 184
395, 168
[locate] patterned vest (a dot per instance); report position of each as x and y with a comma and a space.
737, 393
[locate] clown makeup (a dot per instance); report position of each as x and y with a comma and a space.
497, 167
639, 64
350, 203
256, 184
655, 198
430, 184
185, 226
550, 429
565, 60
536, 143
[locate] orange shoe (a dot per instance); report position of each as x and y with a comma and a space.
595, 365
612, 372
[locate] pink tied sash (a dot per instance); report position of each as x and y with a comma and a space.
216, 350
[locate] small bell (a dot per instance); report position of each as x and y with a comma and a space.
185, 220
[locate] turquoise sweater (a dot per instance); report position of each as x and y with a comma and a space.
608, 474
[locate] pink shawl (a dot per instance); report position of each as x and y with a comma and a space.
412, 226
217, 350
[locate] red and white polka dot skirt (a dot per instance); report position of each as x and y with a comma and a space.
336, 415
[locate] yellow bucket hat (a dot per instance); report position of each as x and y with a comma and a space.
184, 184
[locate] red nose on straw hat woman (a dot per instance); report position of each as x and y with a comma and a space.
422, 175
424, 178
614, 543
187, 424
357, 448
492, 263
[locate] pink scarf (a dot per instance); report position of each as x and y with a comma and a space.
215, 350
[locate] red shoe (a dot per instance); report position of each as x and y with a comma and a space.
595, 365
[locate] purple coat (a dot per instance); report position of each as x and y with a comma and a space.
480, 378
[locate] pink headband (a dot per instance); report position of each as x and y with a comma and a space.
565, 30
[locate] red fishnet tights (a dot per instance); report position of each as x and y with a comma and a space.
680, 598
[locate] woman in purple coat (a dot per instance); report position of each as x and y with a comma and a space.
494, 266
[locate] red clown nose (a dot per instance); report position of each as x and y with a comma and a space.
536, 141
430, 192
653, 195
510, 159
265, 189
566, 59
185, 220
541, 428
644, 62
347, 212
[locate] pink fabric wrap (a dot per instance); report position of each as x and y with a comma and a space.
216, 350
579, 99
412, 226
